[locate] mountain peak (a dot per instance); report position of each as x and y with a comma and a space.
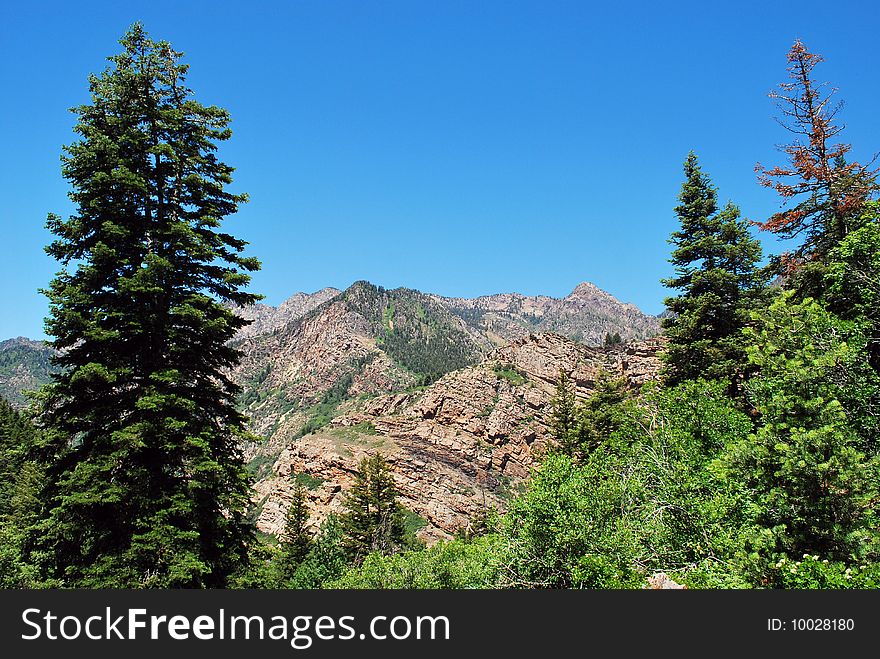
22, 341
588, 289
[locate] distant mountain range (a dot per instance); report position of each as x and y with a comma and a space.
317, 349
454, 391
368, 340
586, 315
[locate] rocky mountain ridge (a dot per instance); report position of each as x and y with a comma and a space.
586, 315
454, 392
457, 447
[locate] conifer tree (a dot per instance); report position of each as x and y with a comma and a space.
19, 483
373, 520
564, 413
814, 484
602, 413
829, 192
297, 540
716, 273
612, 339
146, 485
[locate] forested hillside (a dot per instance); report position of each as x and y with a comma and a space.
25, 365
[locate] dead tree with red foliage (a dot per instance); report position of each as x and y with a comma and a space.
830, 192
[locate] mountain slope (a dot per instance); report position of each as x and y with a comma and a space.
24, 366
363, 341
461, 445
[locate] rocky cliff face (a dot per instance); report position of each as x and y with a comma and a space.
463, 444
363, 341
586, 315
266, 320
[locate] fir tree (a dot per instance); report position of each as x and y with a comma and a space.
716, 273
564, 413
146, 484
297, 540
602, 413
612, 339
813, 482
374, 520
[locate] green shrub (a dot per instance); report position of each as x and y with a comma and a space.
510, 373
454, 564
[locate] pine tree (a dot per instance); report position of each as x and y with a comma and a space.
814, 484
831, 192
602, 413
297, 540
564, 413
716, 273
146, 483
373, 520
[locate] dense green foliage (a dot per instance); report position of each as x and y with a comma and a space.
813, 481
716, 273
455, 564
601, 415
145, 483
20, 479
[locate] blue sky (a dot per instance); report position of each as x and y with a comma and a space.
462, 148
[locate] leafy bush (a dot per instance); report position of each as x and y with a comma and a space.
454, 564
812, 572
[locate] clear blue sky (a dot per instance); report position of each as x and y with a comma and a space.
463, 148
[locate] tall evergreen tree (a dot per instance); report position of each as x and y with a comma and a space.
297, 539
146, 484
373, 520
602, 413
829, 192
717, 274
564, 414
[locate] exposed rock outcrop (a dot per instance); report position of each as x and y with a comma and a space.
464, 444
